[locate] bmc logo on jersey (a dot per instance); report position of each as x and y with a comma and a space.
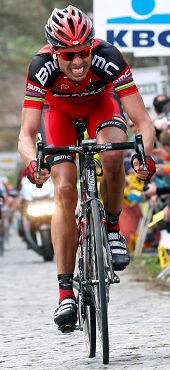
44, 72
101, 63
123, 76
36, 88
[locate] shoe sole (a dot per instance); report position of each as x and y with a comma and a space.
67, 328
120, 268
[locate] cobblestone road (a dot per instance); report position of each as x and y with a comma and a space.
139, 320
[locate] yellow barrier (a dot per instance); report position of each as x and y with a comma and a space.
132, 243
163, 257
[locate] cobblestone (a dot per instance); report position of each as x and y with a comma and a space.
139, 322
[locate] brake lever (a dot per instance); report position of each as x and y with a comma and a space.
40, 161
141, 156
139, 147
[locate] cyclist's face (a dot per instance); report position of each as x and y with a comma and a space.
75, 62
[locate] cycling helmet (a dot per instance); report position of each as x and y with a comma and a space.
68, 27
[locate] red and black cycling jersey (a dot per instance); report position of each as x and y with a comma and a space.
46, 83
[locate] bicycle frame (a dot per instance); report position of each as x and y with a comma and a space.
89, 192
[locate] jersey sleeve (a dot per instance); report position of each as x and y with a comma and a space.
34, 95
124, 85
110, 65
40, 76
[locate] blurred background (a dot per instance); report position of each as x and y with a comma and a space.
27, 289
21, 35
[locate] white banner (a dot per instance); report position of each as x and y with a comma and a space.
138, 26
9, 162
151, 81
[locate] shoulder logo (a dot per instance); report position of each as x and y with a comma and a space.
44, 72
101, 63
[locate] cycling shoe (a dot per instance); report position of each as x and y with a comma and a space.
118, 249
65, 316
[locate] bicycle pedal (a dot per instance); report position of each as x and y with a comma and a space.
67, 328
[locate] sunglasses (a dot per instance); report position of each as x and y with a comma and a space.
70, 55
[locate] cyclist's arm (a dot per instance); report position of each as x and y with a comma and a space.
36, 91
136, 111
27, 137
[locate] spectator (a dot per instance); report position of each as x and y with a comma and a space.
160, 107
163, 153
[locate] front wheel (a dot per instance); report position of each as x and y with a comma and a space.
99, 280
90, 330
87, 313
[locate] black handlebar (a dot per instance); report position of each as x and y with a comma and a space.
90, 146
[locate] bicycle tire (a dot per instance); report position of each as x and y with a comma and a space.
99, 288
89, 325
90, 330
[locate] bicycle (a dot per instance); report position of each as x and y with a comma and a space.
95, 273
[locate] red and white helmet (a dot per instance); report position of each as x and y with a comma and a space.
68, 27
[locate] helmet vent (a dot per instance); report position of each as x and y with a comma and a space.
55, 20
83, 30
62, 35
71, 25
80, 18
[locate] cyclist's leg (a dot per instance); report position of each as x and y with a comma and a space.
64, 238
63, 226
111, 127
112, 189
113, 180
60, 131
107, 124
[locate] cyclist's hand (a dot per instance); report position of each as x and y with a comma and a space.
144, 174
31, 173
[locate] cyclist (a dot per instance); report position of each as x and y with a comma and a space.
74, 76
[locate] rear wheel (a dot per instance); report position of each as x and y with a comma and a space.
99, 284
